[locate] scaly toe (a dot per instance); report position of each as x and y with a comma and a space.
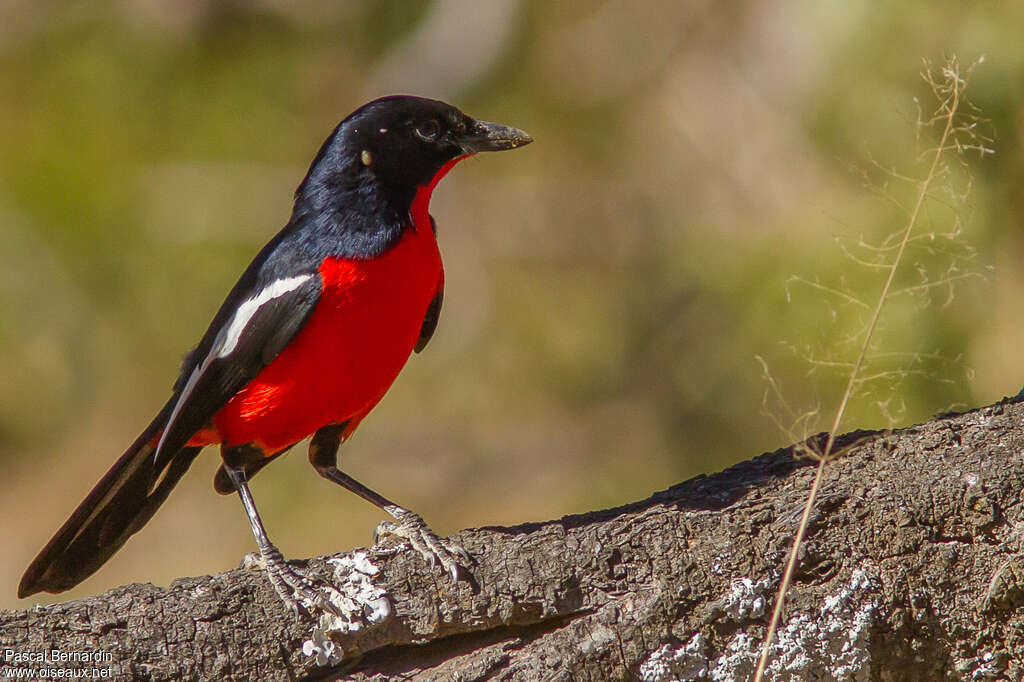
297, 591
413, 530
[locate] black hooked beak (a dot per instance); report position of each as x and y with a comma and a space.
492, 137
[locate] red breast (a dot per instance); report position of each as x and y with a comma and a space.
355, 343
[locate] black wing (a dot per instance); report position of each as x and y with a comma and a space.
433, 310
261, 315
259, 318
430, 320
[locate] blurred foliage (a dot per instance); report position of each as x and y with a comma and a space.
608, 288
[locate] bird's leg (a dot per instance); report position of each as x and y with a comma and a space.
408, 525
293, 587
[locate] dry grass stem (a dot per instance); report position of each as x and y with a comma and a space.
961, 133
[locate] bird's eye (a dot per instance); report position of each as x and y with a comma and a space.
428, 130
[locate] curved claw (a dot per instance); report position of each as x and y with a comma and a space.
412, 529
298, 592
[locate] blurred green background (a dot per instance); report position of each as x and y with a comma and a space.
609, 287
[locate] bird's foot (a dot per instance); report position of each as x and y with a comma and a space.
297, 591
411, 528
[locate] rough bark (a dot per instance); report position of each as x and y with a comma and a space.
911, 570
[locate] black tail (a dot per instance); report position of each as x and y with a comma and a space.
120, 504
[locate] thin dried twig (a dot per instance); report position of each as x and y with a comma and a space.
959, 134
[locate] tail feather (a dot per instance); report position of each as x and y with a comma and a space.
119, 505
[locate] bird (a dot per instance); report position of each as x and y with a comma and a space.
306, 343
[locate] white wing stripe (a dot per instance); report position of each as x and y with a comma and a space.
229, 338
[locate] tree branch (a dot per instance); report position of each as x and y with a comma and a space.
910, 570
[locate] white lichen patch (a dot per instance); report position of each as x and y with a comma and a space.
325, 650
981, 667
746, 599
739, 660
832, 644
677, 664
359, 601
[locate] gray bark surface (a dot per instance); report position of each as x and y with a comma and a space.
911, 571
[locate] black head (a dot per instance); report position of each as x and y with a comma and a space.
399, 143
407, 140
359, 191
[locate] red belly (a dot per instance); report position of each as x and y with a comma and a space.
344, 360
